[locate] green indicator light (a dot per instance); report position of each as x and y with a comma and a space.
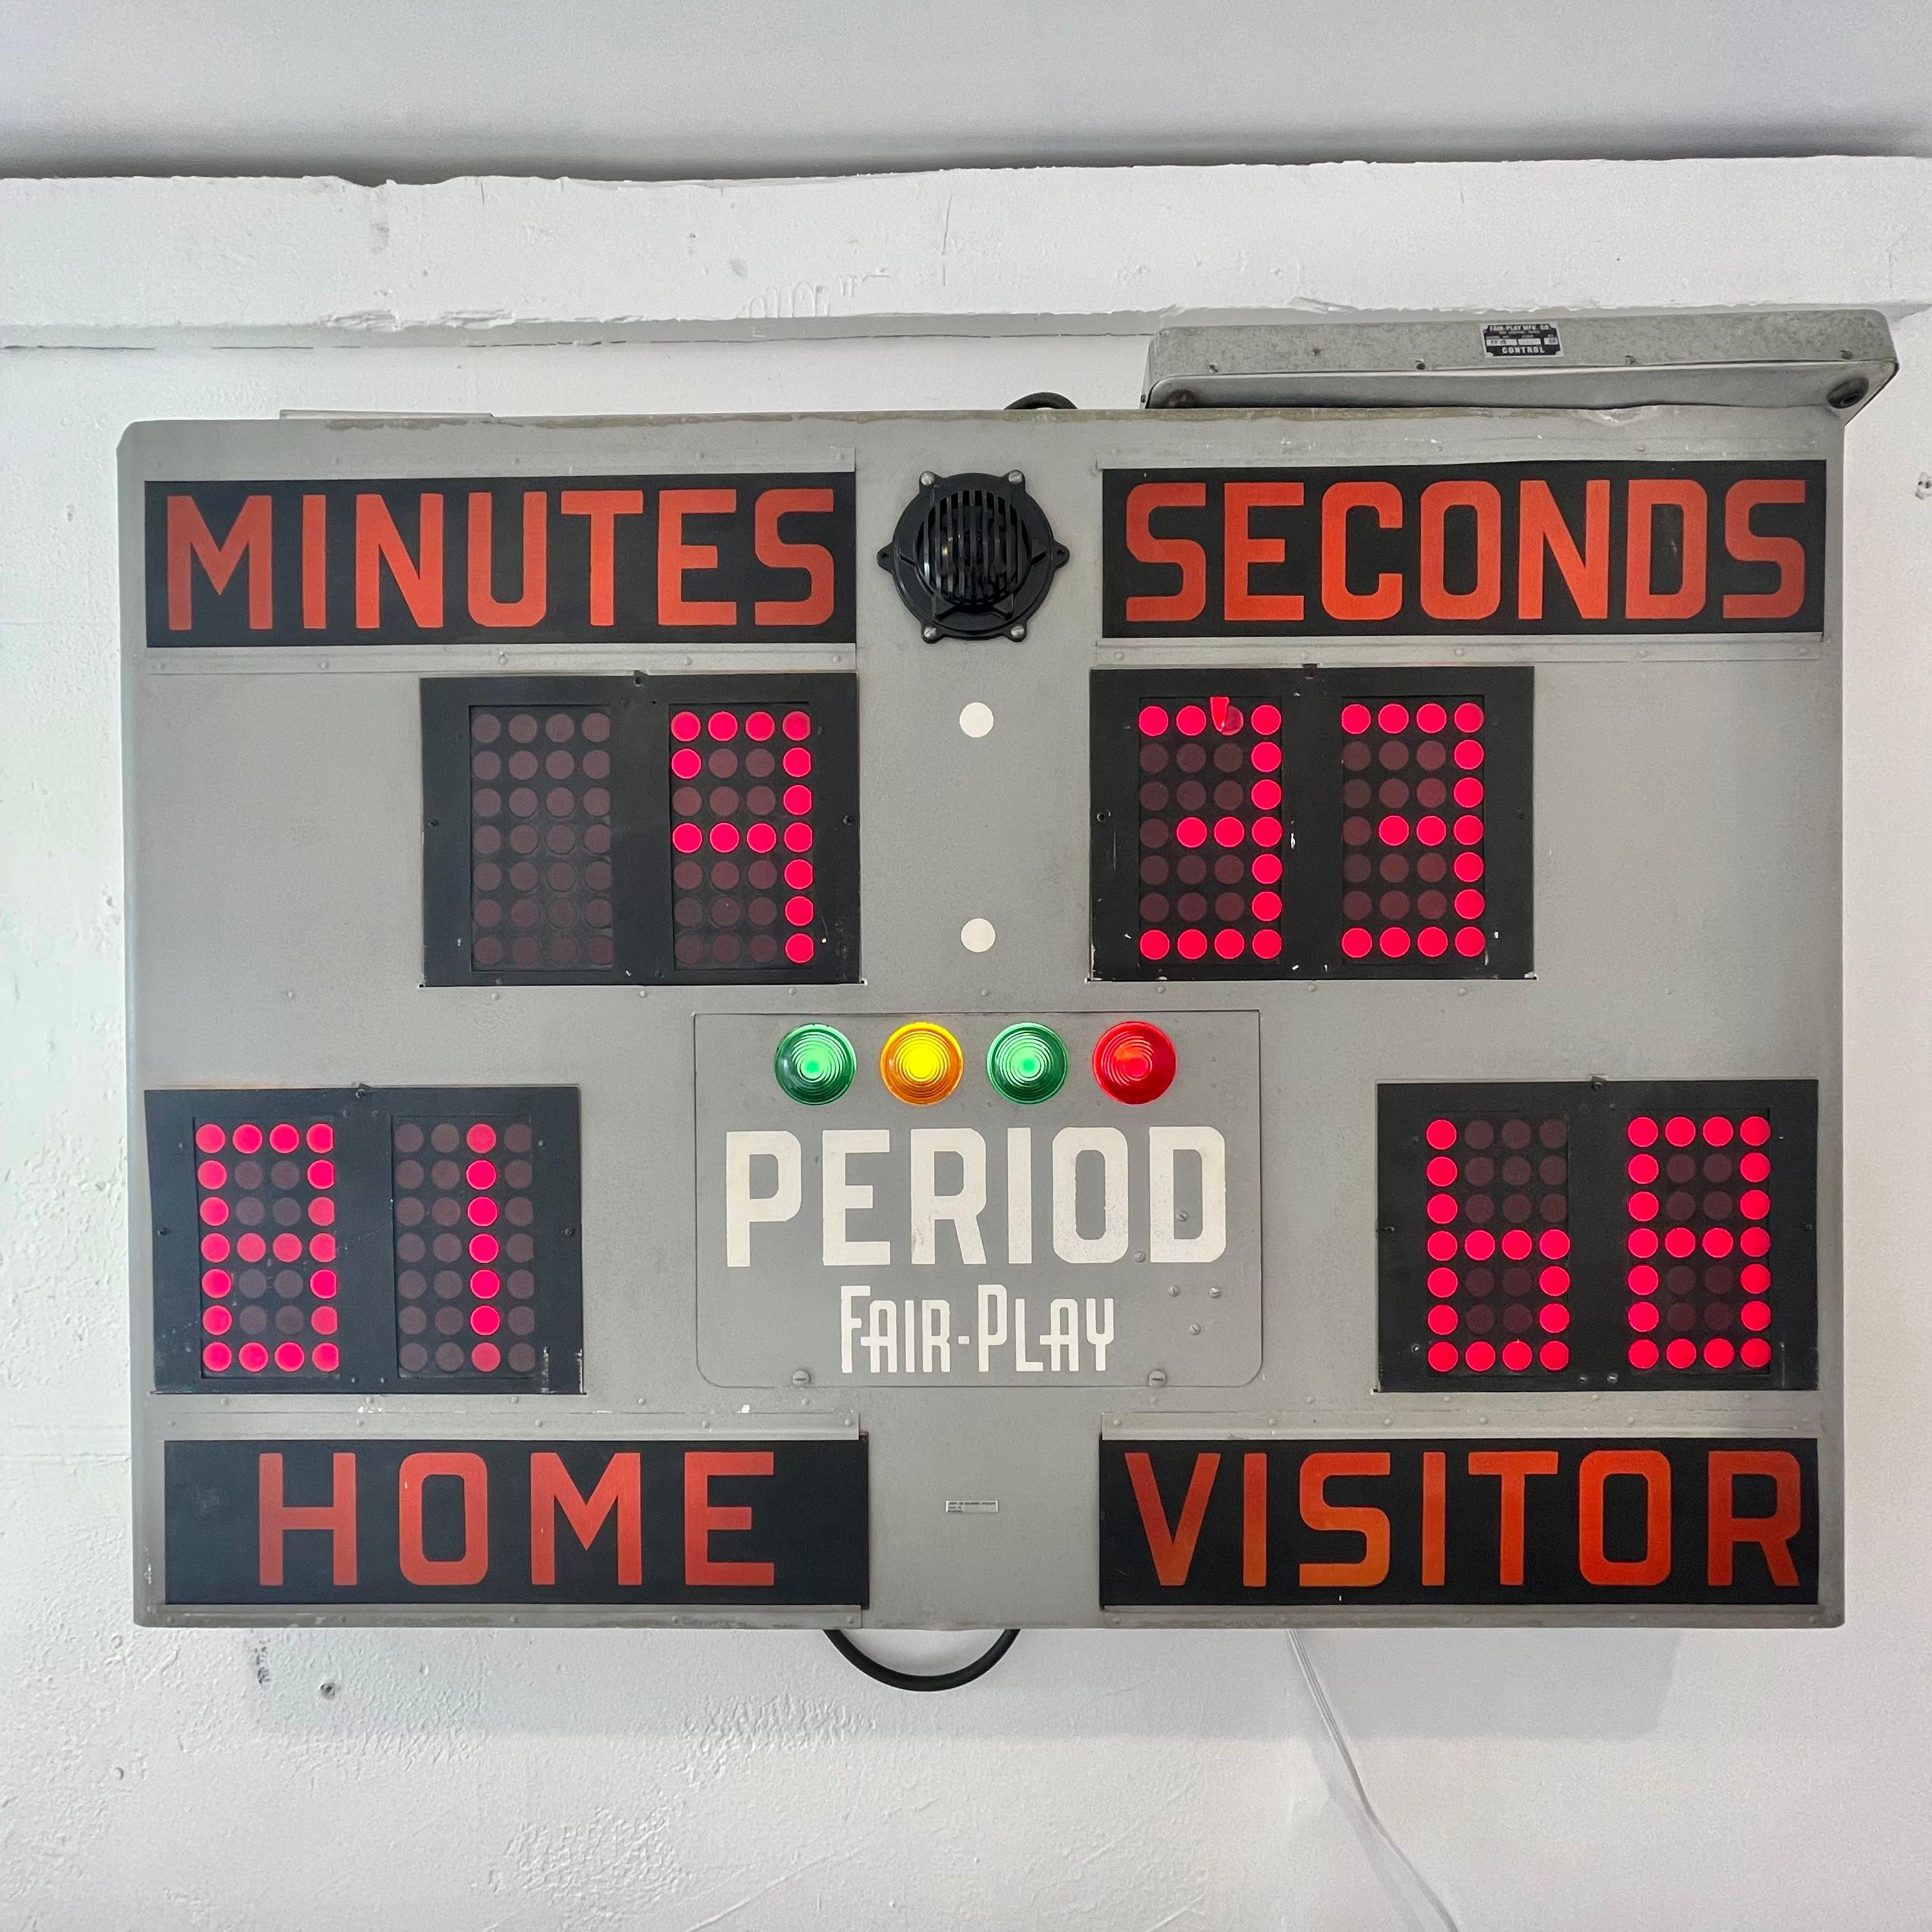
814, 1064
1027, 1064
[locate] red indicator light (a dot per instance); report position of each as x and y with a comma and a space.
1393, 719
290, 1356
216, 1358
1755, 1353
485, 1356
328, 1357
323, 1320
1554, 1355
685, 725
210, 1138
1190, 721
284, 1138
1440, 1133
1481, 1357
1642, 1132
1134, 1062
217, 1320
214, 1211
253, 1357
798, 724
721, 725
760, 726
1153, 721
247, 1139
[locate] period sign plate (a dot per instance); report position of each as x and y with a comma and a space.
975, 1242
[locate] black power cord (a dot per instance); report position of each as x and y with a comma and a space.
913, 1680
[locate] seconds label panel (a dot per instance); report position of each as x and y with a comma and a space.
987, 1232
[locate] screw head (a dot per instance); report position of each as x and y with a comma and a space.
1156, 1378
801, 1379
931, 634
927, 479
1018, 633
1016, 475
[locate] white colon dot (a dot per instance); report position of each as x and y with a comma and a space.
976, 935
976, 720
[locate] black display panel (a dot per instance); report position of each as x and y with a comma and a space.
418, 1239
454, 1521
1559, 1522
641, 830
1597, 1235
1311, 824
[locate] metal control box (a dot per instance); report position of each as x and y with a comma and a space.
1403, 827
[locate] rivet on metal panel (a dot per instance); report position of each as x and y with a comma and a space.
1173, 1288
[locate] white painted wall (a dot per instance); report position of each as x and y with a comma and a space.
671, 1782
663, 88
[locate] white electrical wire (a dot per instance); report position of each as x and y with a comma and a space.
1371, 1819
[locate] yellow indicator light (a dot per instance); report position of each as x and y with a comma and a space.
921, 1064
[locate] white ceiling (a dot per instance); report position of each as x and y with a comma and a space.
423, 89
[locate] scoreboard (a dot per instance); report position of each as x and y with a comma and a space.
1226, 1013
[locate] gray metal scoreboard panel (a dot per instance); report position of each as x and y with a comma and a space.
1685, 929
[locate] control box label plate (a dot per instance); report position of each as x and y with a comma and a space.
975, 1242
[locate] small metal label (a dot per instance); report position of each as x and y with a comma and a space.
1509, 339
960, 1508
